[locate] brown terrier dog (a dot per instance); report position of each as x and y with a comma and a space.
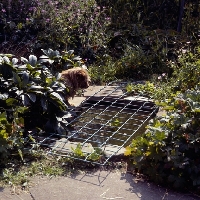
75, 78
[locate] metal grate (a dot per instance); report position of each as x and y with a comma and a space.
105, 123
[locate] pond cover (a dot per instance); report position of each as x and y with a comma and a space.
105, 123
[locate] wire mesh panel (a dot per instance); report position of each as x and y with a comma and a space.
104, 123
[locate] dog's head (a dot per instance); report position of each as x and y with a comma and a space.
76, 78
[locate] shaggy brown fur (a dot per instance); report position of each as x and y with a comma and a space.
75, 78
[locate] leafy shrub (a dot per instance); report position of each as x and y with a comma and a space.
168, 152
32, 97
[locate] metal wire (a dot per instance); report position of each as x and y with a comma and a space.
106, 122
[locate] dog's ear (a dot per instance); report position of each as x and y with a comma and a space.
82, 78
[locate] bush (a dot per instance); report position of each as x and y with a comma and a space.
32, 97
169, 150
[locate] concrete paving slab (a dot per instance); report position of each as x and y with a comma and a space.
97, 185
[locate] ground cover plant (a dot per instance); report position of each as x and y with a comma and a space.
117, 39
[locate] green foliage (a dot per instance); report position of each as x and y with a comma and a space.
139, 37
169, 150
32, 97
103, 71
188, 70
11, 136
93, 156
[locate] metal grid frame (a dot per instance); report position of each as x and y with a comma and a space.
107, 121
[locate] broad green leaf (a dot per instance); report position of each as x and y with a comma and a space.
48, 80
70, 62
29, 67
21, 154
25, 79
58, 96
2, 115
36, 87
45, 52
11, 101
24, 60
44, 57
70, 52
3, 96
8, 55
6, 59
77, 58
44, 60
14, 61
3, 134
25, 100
32, 96
58, 100
33, 60
44, 103
17, 79
22, 67
21, 109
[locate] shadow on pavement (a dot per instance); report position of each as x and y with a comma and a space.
150, 191
95, 178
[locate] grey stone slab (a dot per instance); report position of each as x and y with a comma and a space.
97, 185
